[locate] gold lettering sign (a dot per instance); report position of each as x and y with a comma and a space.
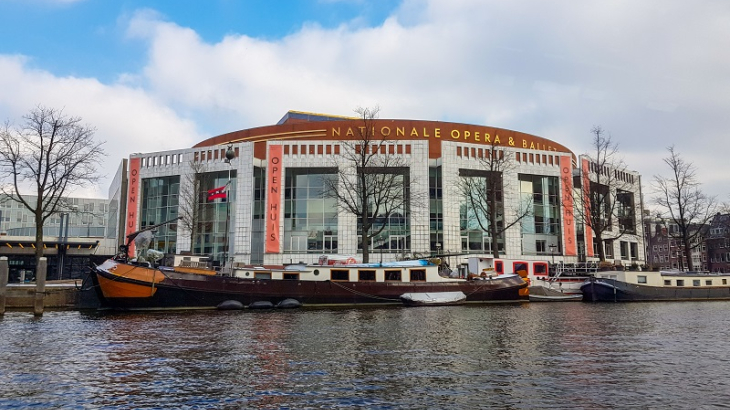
468, 135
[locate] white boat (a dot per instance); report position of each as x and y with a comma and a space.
433, 298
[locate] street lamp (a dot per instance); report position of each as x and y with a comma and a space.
230, 155
552, 252
63, 239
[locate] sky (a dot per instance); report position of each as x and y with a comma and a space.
158, 75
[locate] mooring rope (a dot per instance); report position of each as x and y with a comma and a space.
361, 293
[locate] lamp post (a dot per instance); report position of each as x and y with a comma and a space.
552, 252
62, 239
230, 155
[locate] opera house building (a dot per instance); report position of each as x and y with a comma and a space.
265, 195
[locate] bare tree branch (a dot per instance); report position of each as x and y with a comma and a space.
606, 197
49, 155
688, 207
482, 191
372, 183
190, 199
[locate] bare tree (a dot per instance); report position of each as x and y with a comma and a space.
191, 196
483, 191
372, 183
606, 199
688, 207
50, 155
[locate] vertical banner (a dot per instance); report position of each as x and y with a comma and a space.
587, 201
566, 182
132, 197
273, 199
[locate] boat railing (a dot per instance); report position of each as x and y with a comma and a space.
193, 264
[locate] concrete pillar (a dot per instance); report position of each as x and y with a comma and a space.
40, 286
4, 271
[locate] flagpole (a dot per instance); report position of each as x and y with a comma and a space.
230, 154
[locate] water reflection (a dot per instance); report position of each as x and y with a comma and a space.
568, 355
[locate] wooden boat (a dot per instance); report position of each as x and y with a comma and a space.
124, 283
433, 299
545, 294
625, 286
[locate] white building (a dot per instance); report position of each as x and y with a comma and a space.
276, 212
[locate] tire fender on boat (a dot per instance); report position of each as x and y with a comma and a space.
261, 304
230, 305
288, 304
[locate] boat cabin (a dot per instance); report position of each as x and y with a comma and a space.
668, 278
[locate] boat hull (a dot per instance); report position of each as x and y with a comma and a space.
544, 294
611, 290
176, 290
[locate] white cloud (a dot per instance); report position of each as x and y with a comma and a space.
652, 73
127, 118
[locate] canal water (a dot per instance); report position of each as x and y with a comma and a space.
524, 356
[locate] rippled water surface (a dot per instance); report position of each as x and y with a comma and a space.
559, 355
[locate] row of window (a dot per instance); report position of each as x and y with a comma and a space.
680, 282
161, 160
365, 275
617, 174
209, 155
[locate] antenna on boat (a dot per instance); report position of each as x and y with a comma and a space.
124, 248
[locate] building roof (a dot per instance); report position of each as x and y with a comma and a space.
301, 116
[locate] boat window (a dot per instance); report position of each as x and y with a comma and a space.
392, 275
708, 282
667, 282
291, 276
520, 268
641, 279
680, 282
696, 282
316, 272
724, 281
338, 274
418, 275
366, 275
540, 268
262, 275
499, 267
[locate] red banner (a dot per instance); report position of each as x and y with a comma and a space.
216, 193
566, 184
273, 199
132, 196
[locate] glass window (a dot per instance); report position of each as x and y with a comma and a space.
340, 275
641, 279
366, 275
309, 215
393, 275
157, 208
418, 275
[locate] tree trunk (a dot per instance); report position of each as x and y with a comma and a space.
493, 221
601, 247
365, 247
688, 254
38, 238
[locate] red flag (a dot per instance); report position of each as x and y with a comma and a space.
216, 193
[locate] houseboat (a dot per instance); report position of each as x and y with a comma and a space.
127, 284
630, 286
